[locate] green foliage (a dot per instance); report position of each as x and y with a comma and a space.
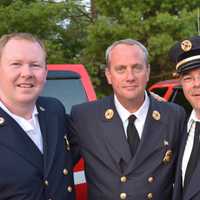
74, 34
53, 22
158, 24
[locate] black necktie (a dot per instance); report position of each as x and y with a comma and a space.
132, 135
194, 157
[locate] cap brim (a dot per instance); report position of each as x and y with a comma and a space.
189, 66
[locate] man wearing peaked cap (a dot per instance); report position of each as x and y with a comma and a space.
186, 56
129, 140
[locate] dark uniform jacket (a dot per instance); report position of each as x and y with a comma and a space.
111, 173
25, 173
192, 192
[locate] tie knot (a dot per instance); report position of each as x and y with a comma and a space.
132, 118
197, 124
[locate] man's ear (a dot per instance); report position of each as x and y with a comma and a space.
148, 73
108, 76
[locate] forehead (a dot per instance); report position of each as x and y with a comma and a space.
191, 72
21, 46
125, 52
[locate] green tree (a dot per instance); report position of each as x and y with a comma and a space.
60, 25
158, 24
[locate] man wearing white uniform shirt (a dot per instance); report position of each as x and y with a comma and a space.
129, 140
35, 164
186, 55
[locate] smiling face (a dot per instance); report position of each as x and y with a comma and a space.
190, 82
22, 72
128, 74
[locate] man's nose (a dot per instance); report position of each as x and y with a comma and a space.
26, 70
196, 81
130, 74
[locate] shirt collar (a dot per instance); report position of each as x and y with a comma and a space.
24, 123
141, 113
193, 118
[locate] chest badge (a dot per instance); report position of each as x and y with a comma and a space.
168, 156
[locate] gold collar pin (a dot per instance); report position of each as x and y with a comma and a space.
156, 115
109, 114
168, 157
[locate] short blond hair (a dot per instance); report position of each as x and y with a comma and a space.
21, 36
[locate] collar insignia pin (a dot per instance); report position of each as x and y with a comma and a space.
2, 121
156, 115
41, 108
109, 114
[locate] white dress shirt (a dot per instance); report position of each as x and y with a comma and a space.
189, 144
31, 127
141, 114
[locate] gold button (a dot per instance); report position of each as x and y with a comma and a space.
151, 179
150, 195
123, 179
46, 183
65, 172
69, 189
123, 195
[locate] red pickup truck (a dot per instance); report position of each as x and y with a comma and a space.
70, 83
171, 90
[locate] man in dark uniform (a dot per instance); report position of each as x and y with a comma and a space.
129, 140
33, 131
186, 55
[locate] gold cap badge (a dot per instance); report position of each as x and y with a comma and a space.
109, 114
2, 121
186, 45
168, 156
156, 115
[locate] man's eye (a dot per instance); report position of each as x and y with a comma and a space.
120, 69
35, 65
187, 78
138, 68
16, 64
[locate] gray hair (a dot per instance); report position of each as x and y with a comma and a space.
130, 42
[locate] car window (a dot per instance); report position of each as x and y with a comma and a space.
160, 91
179, 98
66, 87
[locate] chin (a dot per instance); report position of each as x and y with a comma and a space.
27, 99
